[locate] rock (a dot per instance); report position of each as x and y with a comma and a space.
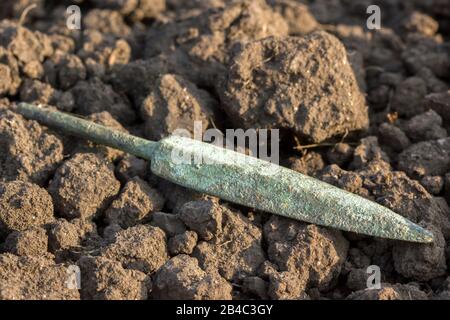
36, 92
306, 250
358, 259
30, 242
141, 248
199, 47
65, 235
433, 184
136, 201
9, 73
27, 46
137, 78
105, 279
23, 205
340, 154
393, 137
110, 232
70, 70
390, 292
426, 126
258, 95
439, 102
182, 278
203, 217
421, 262
422, 23
106, 21
357, 279
288, 286
28, 151
236, 252
310, 164
130, 167
83, 186
427, 158
170, 223
138, 10
346, 180
367, 151
176, 196
175, 104
183, 243
423, 51
409, 96
378, 97
256, 287
434, 84
100, 52
297, 15
34, 70
34, 278
94, 96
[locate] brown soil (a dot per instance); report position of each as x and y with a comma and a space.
367, 111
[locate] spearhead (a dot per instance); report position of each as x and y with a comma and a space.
244, 180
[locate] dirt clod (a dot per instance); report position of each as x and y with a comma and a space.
255, 286
170, 223
138, 10
105, 279
203, 217
390, 292
83, 186
94, 96
34, 278
130, 167
23, 205
427, 158
291, 249
421, 262
236, 252
182, 278
393, 137
30, 242
136, 201
425, 126
65, 235
258, 94
200, 47
439, 102
183, 243
141, 248
365, 110
28, 152
433, 184
174, 104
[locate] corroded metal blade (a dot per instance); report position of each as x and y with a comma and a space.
265, 186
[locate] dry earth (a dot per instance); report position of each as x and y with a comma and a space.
375, 104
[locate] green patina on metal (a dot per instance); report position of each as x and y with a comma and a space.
245, 180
